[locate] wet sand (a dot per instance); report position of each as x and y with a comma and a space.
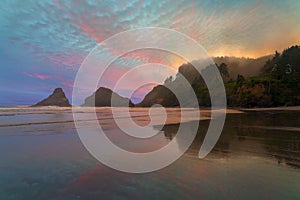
42, 157
289, 108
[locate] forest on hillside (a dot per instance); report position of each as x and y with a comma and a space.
276, 84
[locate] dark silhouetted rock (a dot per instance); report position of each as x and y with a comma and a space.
159, 95
57, 98
103, 96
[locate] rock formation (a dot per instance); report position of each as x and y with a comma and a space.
103, 96
57, 98
159, 95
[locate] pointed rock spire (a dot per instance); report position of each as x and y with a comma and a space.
57, 98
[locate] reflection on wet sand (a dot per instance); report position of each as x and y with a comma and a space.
254, 133
257, 151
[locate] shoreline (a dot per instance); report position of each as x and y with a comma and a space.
229, 109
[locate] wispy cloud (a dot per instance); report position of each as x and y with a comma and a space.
57, 35
38, 76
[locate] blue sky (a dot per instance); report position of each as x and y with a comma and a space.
44, 42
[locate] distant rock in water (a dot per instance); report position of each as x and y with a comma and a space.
103, 96
57, 98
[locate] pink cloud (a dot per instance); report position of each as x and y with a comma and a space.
91, 32
38, 76
62, 60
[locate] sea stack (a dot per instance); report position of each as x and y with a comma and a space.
57, 98
103, 96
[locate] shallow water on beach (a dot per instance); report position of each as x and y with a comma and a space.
42, 157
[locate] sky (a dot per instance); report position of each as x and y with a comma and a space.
43, 43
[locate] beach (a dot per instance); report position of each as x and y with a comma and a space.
43, 157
